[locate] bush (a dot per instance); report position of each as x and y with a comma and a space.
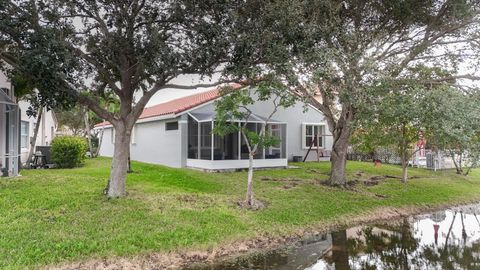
69, 151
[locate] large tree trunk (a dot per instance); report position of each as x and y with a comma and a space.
118, 173
33, 140
338, 159
250, 200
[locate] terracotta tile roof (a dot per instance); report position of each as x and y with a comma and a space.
178, 105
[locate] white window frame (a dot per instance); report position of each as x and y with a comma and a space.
27, 143
319, 135
172, 122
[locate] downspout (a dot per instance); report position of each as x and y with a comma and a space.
7, 139
43, 126
19, 136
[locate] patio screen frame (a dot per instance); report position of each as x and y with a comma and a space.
10, 136
209, 123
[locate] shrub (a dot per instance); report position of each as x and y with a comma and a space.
69, 151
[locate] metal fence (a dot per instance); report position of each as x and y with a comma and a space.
385, 155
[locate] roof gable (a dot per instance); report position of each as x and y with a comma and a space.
178, 105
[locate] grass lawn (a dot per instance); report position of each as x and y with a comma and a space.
53, 216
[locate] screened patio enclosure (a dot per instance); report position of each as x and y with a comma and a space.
9, 136
214, 152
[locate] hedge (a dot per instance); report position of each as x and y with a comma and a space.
69, 151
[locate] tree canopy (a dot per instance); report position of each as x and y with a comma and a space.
83, 51
337, 49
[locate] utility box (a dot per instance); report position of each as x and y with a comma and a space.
297, 158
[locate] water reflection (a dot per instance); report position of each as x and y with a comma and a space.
443, 240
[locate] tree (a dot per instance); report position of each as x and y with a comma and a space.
71, 120
394, 118
453, 121
78, 121
235, 106
336, 49
85, 50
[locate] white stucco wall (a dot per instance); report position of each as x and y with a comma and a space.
154, 144
151, 143
46, 131
106, 147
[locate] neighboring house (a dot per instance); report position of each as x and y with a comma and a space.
440, 160
22, 131
46, 132
177, 133
9, 129
419, 158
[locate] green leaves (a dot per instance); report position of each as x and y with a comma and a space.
234, 111
454, 120
69, 151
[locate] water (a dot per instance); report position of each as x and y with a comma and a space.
447, 239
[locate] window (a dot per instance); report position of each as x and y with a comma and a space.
24, 134
6, 91
171, 126
313, 135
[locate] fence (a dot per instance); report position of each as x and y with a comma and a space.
385, 155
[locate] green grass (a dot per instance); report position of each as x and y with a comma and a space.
53, 216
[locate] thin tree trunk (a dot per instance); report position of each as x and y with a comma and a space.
469, 169
250, 200
449, 231
118, 173
457, 167
338, 159
87, 130
129, 161
460, 162
100, 141
404, 156
33, 140
404, 169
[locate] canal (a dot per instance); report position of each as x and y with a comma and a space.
448, 239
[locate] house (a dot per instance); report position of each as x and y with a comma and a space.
46, 131
177, 133
9, 129
21, 126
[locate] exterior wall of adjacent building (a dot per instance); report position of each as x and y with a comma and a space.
151, 143
9, 130
4, 83
46, 131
